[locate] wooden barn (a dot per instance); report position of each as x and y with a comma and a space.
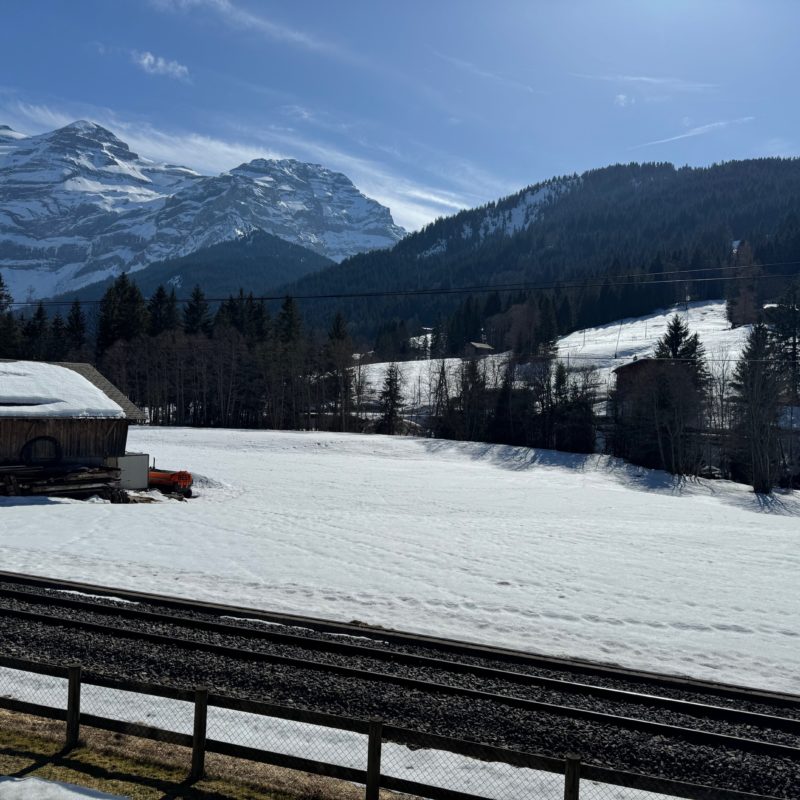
61, 414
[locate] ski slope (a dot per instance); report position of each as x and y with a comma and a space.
609, 346
605, 348
564, 554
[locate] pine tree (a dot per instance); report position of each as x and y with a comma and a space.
339, 355
123, 314
75, 332
783, 321
391, 401
57, 344
34, 333
162, 310
678, 344
5, 296
757, 385
9, 328
196, 314
288, 323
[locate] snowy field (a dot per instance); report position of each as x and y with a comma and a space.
555, 553
605, 348
37, 789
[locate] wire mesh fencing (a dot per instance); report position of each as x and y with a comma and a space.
647, 789
30, 687
352, 751
493, 780
467, 767
174, 717
288, 737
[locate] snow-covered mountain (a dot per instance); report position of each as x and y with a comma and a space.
507, 216
77, 205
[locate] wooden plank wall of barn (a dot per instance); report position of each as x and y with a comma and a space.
87, 441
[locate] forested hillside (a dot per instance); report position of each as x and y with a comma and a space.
256, 263
648, 220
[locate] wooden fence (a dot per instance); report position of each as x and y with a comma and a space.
575, 773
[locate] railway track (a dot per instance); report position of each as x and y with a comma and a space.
491, 690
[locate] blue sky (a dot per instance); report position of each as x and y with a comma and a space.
427, 105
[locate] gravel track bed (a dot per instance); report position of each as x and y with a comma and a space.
369, 639
459, 717
429, 674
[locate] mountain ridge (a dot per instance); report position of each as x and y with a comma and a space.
255, 262
77, 205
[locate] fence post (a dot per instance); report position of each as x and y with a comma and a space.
73, 705
572, 777
374, 759
199, 736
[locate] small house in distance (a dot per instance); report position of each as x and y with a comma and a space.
64, 414
478, 350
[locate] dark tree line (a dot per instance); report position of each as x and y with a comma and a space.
240, 365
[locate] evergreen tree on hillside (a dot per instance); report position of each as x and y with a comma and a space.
75, 332
391, 401
196, 314
162, 311
5, 296
57, 345
9, 328
783, 321
34, 332
123, 314
289, 325
757, 386
681, 345
339, 356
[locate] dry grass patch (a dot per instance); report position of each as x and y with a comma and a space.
145, 770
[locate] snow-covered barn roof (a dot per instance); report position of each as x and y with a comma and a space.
37, 389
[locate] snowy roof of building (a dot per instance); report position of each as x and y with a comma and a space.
37, 389
481, 346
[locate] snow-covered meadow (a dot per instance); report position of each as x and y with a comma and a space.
564, 554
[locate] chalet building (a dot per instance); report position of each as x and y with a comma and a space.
62, 414
477, 350
637, 375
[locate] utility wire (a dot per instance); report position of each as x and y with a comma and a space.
507, 287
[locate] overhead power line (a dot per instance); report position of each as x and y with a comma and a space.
626, 280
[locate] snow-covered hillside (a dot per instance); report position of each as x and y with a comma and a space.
77, 205
617, 343
508, 216
565, 554
604, 348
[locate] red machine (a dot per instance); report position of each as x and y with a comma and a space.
170, 482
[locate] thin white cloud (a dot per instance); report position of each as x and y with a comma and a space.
41, 117
623, 100
663, 84
208, 155
413, 203
496, 77
700, 130
239, 18
157, 65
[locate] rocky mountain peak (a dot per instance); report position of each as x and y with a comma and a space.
78, 205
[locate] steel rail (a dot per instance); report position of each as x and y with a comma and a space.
688, 707
429, 687
416, 640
